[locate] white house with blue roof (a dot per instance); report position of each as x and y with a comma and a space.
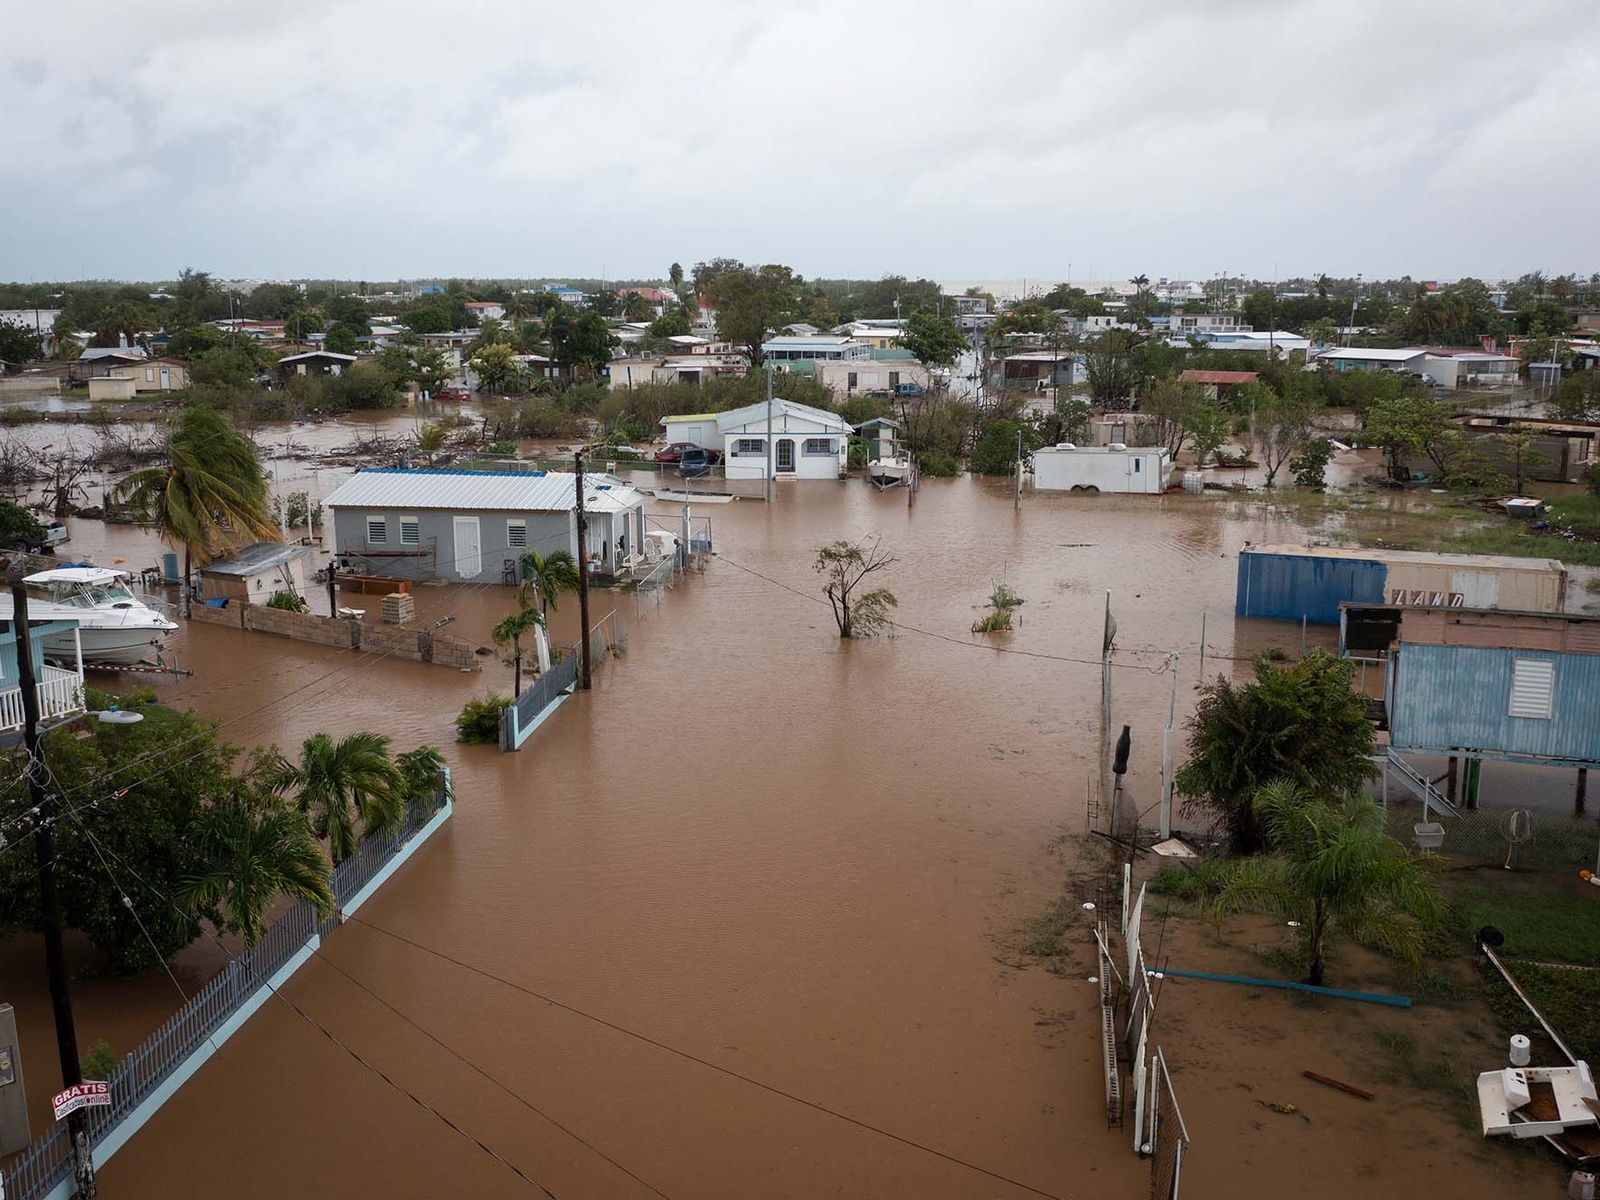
474, 526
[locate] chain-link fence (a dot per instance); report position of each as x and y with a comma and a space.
1169, 1139
1518, 838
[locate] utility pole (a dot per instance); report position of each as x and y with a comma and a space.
333, 586
1016, 489
583, 578
49, 907
769, 433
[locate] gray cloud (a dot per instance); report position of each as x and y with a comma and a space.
383, 138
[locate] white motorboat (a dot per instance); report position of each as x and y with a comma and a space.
886, 472
114, 625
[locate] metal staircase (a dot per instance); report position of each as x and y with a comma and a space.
1415, 782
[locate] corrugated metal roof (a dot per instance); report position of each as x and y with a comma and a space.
252, 560
1370, 354
469, 491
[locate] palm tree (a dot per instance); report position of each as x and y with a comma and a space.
430, 440
1334, 867
210, 496
254, 853
339, 782
513, 629
545, 577
422, 772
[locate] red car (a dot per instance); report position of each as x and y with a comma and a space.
453, 395
674, 453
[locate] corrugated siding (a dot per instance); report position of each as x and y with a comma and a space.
1291, 586
1445, 696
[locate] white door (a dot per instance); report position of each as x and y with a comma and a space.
468, 551
1478, 589
166, 380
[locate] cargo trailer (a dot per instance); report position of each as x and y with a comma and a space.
1114, 468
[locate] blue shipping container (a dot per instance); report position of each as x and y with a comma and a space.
1291, 586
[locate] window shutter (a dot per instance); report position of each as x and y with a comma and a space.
1533, 688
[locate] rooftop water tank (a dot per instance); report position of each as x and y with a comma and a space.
1065, 446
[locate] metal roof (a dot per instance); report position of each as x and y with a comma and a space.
1504, 562
756, 415
1371, 354
289, 358
253, 560
487, 491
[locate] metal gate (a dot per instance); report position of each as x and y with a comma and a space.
1169, 1140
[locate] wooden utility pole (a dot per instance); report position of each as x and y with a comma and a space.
333, 586
583, 579
44, 853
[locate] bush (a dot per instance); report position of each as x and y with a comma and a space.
1203, 881
936, 464
995, 452
100, 1063
288, 601
478, 723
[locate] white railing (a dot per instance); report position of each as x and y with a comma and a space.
60, 695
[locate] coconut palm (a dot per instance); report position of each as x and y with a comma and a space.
254, 853
210, 496
511, 630
422, 772
430, 440
341, 782
545, 577
1332, 867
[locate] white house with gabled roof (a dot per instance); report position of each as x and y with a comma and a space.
807, 443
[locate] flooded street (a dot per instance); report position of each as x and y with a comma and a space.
782, 875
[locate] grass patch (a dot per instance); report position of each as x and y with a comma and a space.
1520, 542
1568, 998
1578, 512
1200, 881
1539, 921
1433, 1069
1045, 935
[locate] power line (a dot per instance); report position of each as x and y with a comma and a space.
707, 1063
327, 1033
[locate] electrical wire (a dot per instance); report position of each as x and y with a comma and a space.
707, 1063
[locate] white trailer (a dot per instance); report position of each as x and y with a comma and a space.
1143, 470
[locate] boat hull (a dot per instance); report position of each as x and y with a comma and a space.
888, 473
121, 646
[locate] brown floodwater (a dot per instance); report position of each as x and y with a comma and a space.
800, 860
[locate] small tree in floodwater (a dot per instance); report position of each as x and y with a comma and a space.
846, 567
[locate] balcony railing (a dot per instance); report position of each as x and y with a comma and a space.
60, 695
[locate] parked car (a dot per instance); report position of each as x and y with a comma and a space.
675, 452
694, 461
452, 395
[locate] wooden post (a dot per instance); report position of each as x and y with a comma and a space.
1580, 794
1450, 780
583, 578
333, 587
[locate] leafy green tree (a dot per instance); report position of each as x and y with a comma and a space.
1310, 465
18, 345
510, 631
1110, 368
209, 496
341, 339
1522, 453
670, 324
752, 301
1283, 424
301, 323
1577, 397
845, 567
579, 340
351, 311
272, 301
490, 333
1333, 868
1303, 722
1170, 405
995, 451
19, 528
1208, 427
495, 366
194, 341
545, 577
253, 852
340, 784
935, 340
227, 366
153, 823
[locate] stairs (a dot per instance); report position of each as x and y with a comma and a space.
1415, 782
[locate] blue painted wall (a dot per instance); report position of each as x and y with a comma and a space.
1291, 586
37, 632
1447, 696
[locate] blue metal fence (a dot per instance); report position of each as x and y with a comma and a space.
165, 1059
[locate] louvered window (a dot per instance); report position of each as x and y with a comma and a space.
1533, 688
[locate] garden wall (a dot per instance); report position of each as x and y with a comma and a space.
398, 641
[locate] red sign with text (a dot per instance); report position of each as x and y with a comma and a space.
89, 1093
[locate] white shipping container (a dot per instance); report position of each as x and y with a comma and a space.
1143, 470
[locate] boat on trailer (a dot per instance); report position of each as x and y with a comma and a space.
887, 472
114, 626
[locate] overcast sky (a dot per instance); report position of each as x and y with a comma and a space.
388, 139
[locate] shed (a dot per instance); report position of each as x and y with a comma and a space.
474, 526
1310, 582
1522, 686
253, 574
315, 362
698, 428
881, 435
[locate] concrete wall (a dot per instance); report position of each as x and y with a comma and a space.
398, 641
